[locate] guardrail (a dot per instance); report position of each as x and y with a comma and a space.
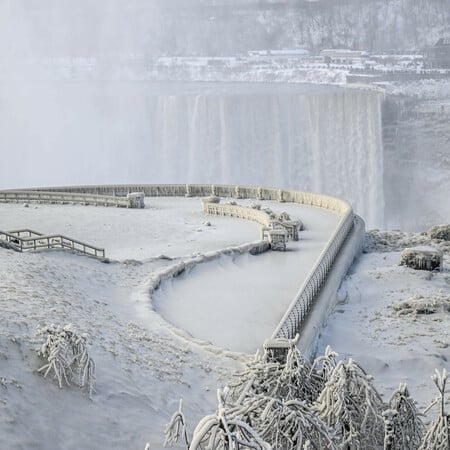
205, 190
298, 310
36, 241
240, 212
131, 200
25, 233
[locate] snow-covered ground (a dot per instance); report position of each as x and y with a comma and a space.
144, 364
393, 320
143, 367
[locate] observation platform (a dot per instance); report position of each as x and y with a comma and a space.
236, 300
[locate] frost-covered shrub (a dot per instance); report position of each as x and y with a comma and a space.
327, 405
402, 424
226, 430
437, 436
269, 406
439, 232
324, 365
350, 404
289, 424
293, 379
66, 355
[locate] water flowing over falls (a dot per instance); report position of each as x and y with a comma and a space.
316, 138
327, 142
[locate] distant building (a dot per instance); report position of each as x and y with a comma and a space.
297, 53
343, 56
438, 55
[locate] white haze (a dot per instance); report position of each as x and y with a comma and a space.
103, 131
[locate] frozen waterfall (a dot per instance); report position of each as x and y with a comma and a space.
317, 138
324, 141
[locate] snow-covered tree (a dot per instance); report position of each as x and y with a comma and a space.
226, 430
273, 405
324, 365
262, 422
292, 379
350, 404
437, 436
66, 354
402, 424
291, 424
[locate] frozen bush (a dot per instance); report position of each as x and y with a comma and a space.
350, 404
282, 402
293, 379
66, 355
402, 424
226, 430
439, 232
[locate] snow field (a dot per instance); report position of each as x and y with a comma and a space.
392, 320
143, 368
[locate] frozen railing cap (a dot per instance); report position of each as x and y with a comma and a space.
277, 349
136, 199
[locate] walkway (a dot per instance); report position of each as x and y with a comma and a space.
236, 302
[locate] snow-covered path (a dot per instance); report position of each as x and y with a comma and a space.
237, 301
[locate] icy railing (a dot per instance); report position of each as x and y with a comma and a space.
131, 200
36, 241
298, 310
205, 190
240, 212
301, 304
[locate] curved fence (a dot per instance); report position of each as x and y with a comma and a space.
300, 306
240, 212
205, 190
131, 200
